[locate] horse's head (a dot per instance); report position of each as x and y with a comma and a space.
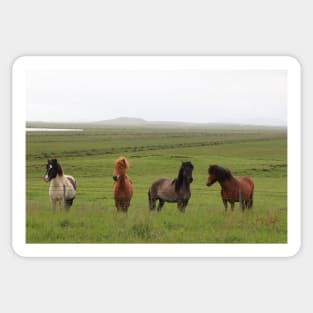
186, 172
53, 168
217, 173
212, 175
120, 167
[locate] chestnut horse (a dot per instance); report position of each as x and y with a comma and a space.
122, 187
233, 189
172, 190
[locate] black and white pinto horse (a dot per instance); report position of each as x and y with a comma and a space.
172, 190
62, 187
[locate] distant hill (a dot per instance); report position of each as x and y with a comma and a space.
130, 121
123, 121
139, 122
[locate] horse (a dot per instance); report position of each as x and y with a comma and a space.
168, 190
62, 187
233, 189
122, 186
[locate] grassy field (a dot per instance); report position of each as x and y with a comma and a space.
157, 152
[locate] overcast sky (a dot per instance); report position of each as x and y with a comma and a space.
225, 96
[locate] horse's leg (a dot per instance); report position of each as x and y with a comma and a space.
160, 205
232, 205
67, 206
53, 204
241, 201
152, 201
249, 203
179, 205
117, 205
125, 206
63, 201
243, 205
149, 199
225, 204
153, 204
62, 204
251, 196
182, 205
185, 205
240, 198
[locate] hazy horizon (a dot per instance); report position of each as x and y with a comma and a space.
254, 97
141, 120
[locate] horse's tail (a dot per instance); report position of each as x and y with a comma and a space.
69, 202
249, 187
149, 198
72, 181
152, 201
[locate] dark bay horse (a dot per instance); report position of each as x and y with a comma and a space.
122, 187
233, 189
172, 190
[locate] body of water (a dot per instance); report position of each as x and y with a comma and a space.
53, 129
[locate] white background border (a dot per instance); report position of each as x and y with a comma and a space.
158, 63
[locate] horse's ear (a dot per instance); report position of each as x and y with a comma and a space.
125, 162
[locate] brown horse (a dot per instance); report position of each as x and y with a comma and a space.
122, 187
176, 190
233, 189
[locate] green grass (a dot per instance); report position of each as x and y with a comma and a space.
89, 156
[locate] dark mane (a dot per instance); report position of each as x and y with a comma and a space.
57, 169
233, 189
221, 173
179, 180
172, 190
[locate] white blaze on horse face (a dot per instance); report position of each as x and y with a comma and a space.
46, 178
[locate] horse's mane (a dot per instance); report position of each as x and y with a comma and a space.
122, 162
56, 166
180, 178
221, 173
